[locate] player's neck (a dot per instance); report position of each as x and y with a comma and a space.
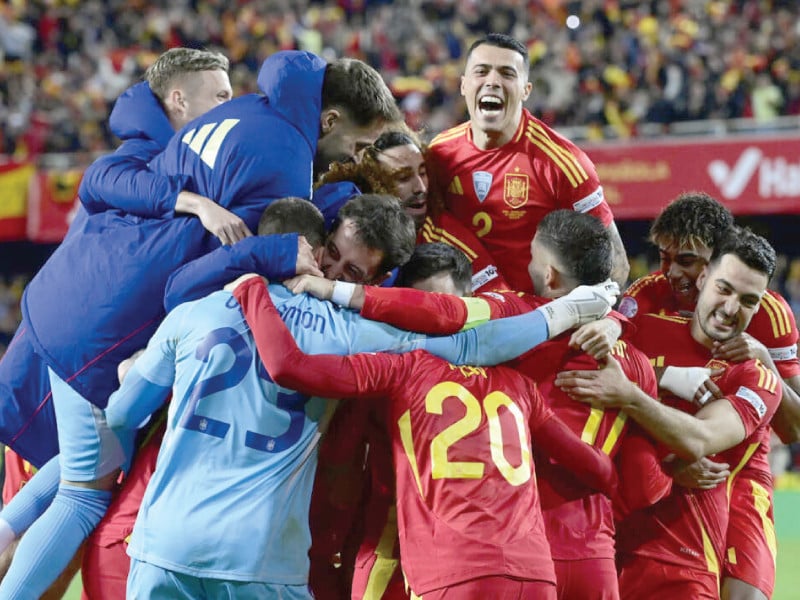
488, 140
699, 336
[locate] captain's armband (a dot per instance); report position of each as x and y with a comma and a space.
478, 311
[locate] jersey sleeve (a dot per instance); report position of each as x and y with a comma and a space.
754, 390
273, 256
433, 314
122, 180
577, 186
148, 382
637, 368
642, 480
329, 198
774, 326
639, 299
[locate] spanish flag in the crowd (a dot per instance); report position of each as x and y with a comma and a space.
15, 180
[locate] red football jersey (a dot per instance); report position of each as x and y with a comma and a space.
579, 521
773, 325
688, 527
446, 228
461, 446
503, 193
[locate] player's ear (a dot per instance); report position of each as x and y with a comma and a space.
328, 119
527, 92
318, 252
552, 278
701, 279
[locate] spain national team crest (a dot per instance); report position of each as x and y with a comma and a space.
515, 190
481, 181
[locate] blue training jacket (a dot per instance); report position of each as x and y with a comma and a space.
99, 297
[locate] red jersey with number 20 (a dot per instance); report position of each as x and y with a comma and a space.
503, 193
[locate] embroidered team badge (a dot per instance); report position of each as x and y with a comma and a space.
481, 181
515, 190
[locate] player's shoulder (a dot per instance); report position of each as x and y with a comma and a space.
548, 149
752, 377
449, 230
773, 320
643, 294
629, 356
652, 283
448, 137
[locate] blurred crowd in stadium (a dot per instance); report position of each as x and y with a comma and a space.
620, 64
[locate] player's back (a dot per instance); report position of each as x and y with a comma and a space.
229, 495
466, 482
580, 521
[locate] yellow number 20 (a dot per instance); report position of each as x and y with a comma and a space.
441, 466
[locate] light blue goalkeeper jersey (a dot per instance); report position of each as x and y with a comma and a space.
230, 495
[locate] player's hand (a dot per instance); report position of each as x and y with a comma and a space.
306, 263
742, 347
597, 338
584, 304
602, 388
319, 287
708, 390
219, 221
125, 366
230, 287
692, 384
703, 474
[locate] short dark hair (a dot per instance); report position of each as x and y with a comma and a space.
435, 258
501, 40
359, 90
581, 243
692, 219
381, 224
293, 215
750, 248
177, 62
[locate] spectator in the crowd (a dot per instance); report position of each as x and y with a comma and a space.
614, 66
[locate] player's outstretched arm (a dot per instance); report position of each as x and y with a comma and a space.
136, 399
326, 375
433, 314
123, 181
502, 340
716, 427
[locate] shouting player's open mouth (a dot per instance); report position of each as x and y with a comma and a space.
490, 105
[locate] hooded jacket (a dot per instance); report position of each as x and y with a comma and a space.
99, 297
